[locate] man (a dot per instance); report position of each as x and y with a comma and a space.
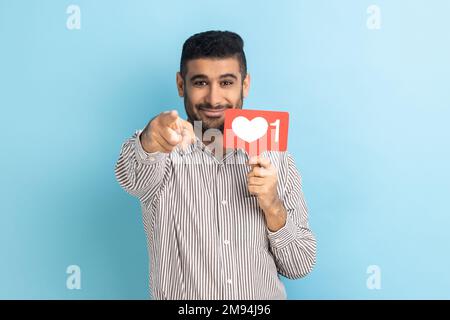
217, 228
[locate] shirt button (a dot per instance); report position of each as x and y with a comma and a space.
277, 240
226, 242
229, 281
224, 202
151, 159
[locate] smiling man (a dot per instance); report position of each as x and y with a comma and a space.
217, 227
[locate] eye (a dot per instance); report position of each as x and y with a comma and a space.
226, 83
200, 83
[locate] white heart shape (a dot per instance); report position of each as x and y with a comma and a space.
249, 131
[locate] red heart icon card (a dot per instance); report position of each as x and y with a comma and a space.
256, 131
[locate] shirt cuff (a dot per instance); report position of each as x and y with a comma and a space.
283, 237
144, 156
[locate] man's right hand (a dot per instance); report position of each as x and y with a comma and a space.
165, 132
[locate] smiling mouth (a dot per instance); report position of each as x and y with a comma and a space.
212, 113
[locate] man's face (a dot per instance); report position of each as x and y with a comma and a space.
210, 87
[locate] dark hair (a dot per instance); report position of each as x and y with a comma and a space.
213, 44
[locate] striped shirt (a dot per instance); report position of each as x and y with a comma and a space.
206, 235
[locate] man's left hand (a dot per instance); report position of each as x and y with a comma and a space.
262, 182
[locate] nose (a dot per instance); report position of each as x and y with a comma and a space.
214, 96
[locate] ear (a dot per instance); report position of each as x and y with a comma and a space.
246, 85
180, 85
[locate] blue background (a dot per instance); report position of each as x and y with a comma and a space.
369, 130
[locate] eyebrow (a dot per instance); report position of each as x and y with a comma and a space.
229, 75
198, 76
204, 76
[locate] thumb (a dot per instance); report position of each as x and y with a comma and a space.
187, 133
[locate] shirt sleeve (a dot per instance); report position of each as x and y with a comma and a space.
138, 172
294, 245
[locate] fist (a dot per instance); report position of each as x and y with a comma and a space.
262, 182
165, 132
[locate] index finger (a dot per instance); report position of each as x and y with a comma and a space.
168, 118
261, 161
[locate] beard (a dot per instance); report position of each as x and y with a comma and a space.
192, 111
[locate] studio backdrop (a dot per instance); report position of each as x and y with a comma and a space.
366, 84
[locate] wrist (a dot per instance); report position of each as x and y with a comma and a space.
145, 141
276, 216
